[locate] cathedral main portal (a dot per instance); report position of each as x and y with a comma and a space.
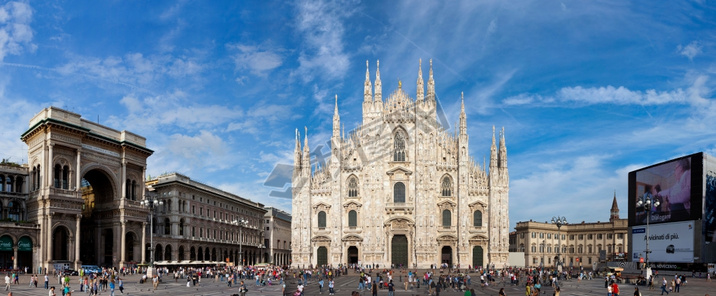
399, 251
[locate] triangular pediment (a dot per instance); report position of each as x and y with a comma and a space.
321, 238
400, 170
321, 205
446, 237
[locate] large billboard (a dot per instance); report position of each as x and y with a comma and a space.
674, 187
668, 242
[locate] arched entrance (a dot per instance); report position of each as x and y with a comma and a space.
446, 256
158, 253
352, 255
168, 253
399, 251
24, 252
6, 252
180, 255
130, 243
477, 256
60, 243
96, 235
321, 256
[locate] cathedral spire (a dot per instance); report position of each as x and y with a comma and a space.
431, 84
421, 88
493, 153
463, 117
336, 121
297, 152
378, 84
367, 91
305, 139
502, 156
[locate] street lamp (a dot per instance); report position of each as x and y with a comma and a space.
559, 221
152, 203
646, 203
241, 223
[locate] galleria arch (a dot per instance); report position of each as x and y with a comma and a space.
86, 186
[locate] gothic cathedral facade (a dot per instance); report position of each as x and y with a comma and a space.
400, 190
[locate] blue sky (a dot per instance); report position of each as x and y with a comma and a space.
586, 90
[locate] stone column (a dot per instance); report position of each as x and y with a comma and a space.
50, 166
144, 241
78, 233
48, 240
78, 170
14, 258
122, 255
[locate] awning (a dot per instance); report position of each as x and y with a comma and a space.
5, 243
24, 244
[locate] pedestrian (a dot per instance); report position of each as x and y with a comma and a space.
391, 288
121, 286
636, 291
663, 286
374, 289
615, 289
111, 288
320, 286
52, 290
242, 289
7, 282
331, 285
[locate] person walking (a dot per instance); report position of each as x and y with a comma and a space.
391, 288
7, 282
663, 286
331, 285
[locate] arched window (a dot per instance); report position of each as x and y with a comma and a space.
446, 186
353, 187
399, 192
167, 226
14, 210
399, 147
181, 227
447, 218
134, 190
477, 219
66, 177
352, 218
128, 190
58, 171
321, 219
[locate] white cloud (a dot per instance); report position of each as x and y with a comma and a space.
605, 95
321, 25
255, 59
15, 32
691, 50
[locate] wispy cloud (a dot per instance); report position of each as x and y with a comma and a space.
321, 25
255, 59
690, 51
15, 31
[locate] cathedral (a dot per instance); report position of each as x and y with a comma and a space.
400, 190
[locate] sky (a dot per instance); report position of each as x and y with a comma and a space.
586, 91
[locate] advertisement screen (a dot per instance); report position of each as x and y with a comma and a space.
666, 192
668, 242
709, 226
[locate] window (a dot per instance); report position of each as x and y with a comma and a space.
563, 236
447, 218
477, 220
352, 218
167, 226
522, 235
58, 171
181, 227
65, 177
571, 236
321, 219
599, 236
609, 236
581, 236
534, 248
589, 236
549, 235
353, 187
534, 235
399, 147
541, 235
399, 192
620, 235
446, 186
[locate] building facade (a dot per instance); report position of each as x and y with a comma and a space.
85, 186
18, 237
583, 244
199, 224
277, 236
400, 190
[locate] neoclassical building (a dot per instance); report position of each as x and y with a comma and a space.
277, 236
197, 224
85, 184
18, 237
400, 190
582, 243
